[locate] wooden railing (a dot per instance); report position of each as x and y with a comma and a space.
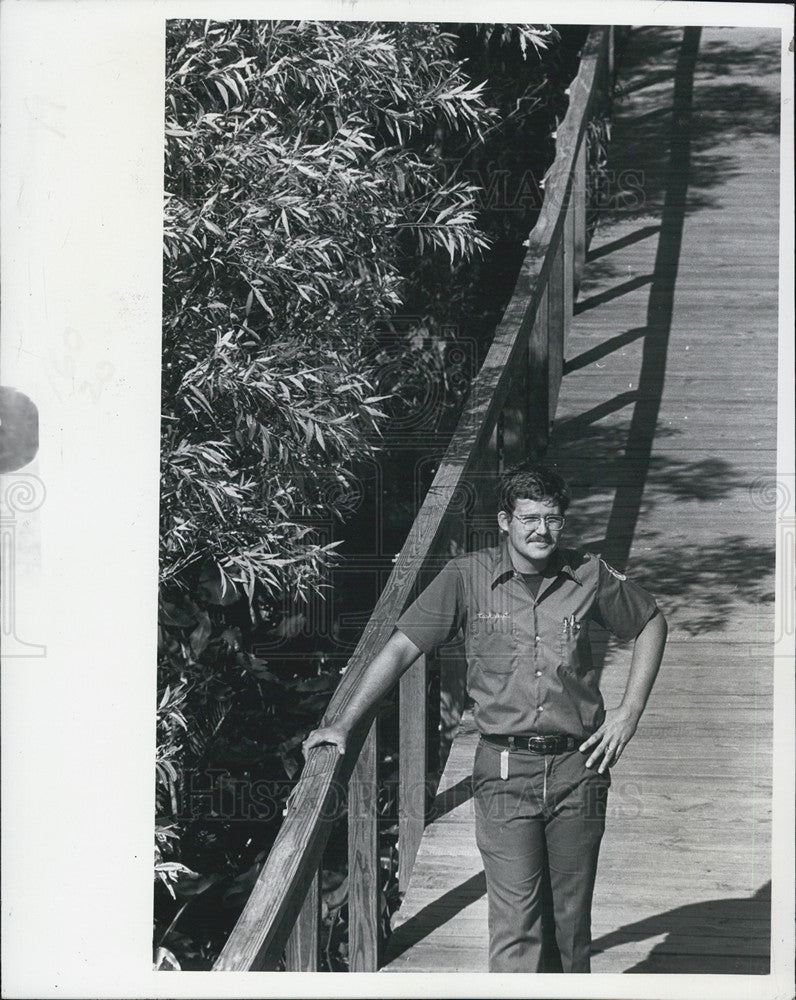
507, 417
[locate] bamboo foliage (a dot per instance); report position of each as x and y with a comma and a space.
300, 176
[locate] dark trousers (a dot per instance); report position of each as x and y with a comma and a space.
539, 833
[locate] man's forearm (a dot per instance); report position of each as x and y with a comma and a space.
383, 671
647, 655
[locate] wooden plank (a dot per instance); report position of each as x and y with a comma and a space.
649, 961
646, 899
676, 943
464, 956
716, 928
412, 768
468, 953
751, 921
302, 952
364, 871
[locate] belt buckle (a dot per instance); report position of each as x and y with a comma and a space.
534, 744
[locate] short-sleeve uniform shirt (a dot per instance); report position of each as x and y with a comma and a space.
529, 662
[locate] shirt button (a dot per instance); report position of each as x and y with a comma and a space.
538, 673
537, 639
540, 708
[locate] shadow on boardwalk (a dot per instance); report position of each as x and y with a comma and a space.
435, 914
741, 952
700, 595
644, 157
627, 501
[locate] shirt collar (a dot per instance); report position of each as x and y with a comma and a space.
560, 562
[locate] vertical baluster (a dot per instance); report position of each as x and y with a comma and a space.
538, 395
452, 695
569, 265
556, 318
411, 768
515, 415
303, 947
611, 57
363, 860
579, 216
480, 515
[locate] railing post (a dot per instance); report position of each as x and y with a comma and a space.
569, 266
556, 318
515, 417
538, 417
479, 516
452, 694
579, 215
363, 860
611, 57
303, 947
411, 768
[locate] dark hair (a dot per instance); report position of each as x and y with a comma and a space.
531, 481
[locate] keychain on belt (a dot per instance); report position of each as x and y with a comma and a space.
504, 759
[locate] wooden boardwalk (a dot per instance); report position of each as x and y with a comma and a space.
666, 428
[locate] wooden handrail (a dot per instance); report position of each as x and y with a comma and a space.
527, 350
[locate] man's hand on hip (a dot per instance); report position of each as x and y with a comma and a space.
611, 738
620, 723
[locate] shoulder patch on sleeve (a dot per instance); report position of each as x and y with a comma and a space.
612, 571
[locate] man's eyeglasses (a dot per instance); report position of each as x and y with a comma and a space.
555, 522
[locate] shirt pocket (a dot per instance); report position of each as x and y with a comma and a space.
490, 645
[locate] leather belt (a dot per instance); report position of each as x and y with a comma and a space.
536, 744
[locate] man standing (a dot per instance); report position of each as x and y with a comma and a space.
541, 771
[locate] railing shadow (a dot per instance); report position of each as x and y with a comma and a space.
435, 914
752, 62
627, 462
602, 459
622, 459
613, 293
743, 925
451, 799
605, 348
619, 244
641, 437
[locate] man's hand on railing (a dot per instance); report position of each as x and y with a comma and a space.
382, 672
337, 735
